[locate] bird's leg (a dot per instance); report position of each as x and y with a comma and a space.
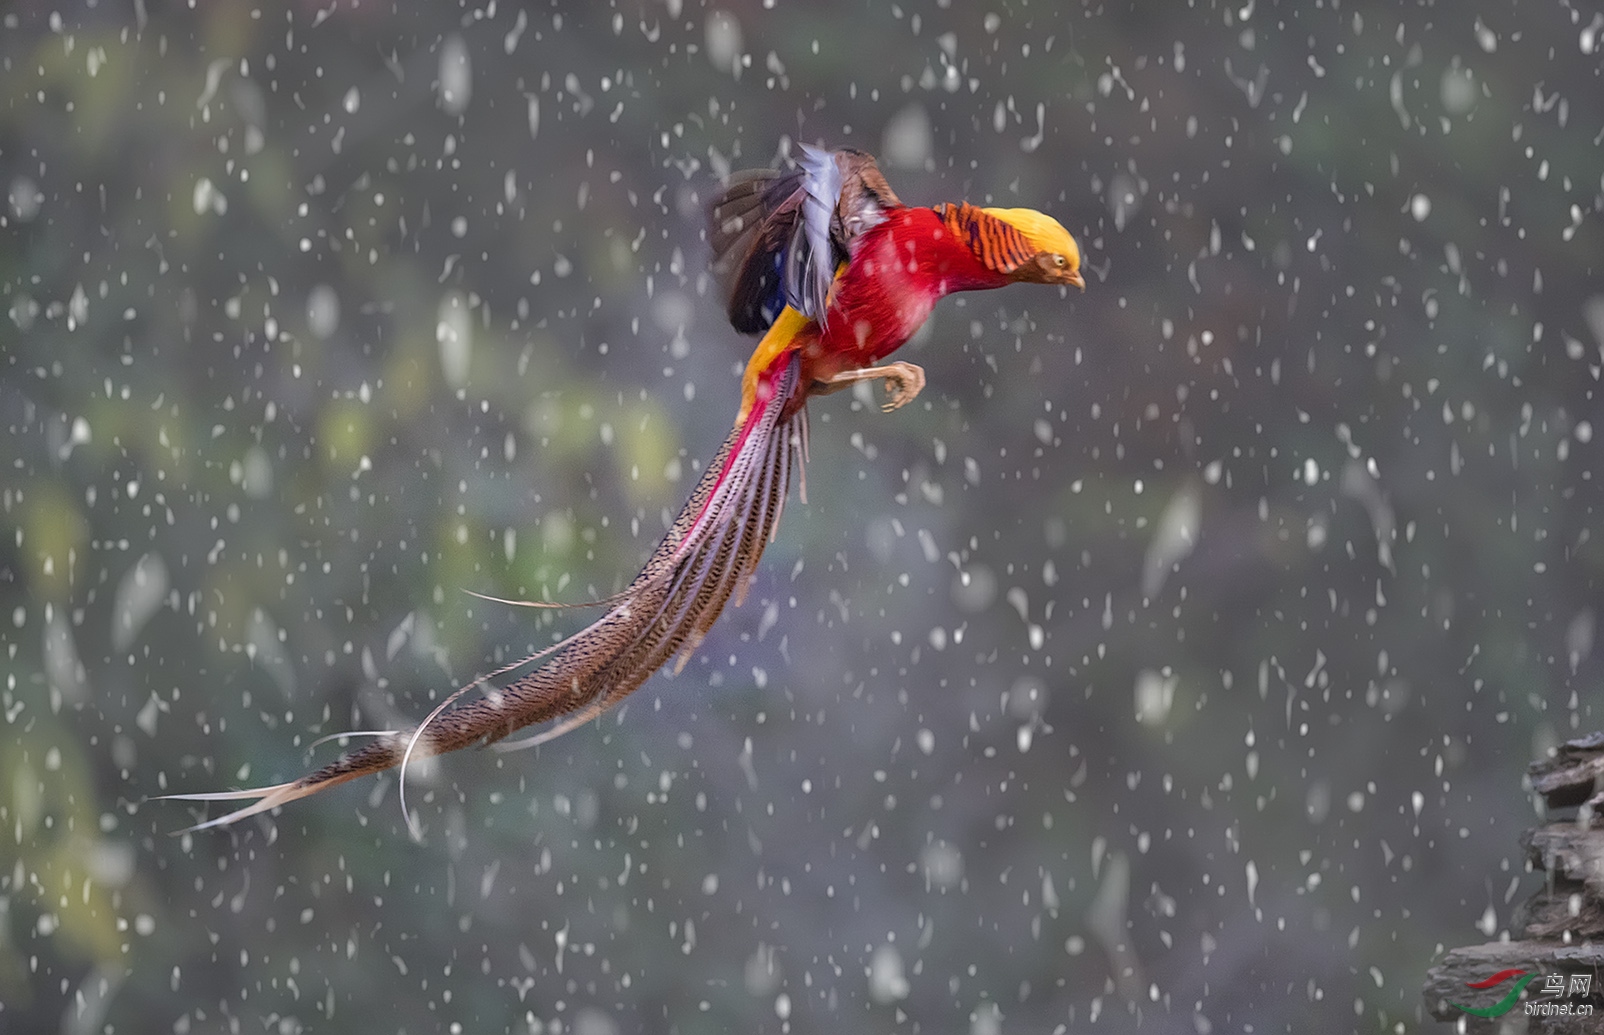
903, 382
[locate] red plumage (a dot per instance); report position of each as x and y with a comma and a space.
899, 271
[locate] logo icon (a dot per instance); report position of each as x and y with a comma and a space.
1504, 1005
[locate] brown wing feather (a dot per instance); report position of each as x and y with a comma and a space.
757, 217
751, 220
864, 191
743, 202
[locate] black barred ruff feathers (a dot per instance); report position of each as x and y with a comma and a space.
998, 244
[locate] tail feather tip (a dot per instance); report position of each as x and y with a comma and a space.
266, 798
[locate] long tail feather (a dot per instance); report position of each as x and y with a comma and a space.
266, 798
556, 605
347, 735
591, 711
758, 534
708, 556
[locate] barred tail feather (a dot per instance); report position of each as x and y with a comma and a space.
708, 556
708, 579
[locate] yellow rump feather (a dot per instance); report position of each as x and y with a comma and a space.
782, 333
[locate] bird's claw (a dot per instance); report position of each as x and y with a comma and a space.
903, 382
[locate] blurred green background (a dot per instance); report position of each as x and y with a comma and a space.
1170, 666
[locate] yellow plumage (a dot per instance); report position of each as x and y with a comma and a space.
1041, 230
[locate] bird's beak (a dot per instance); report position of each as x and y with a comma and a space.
1076, 279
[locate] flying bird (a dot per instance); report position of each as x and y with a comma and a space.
836, 272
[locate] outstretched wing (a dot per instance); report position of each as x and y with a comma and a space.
778, 235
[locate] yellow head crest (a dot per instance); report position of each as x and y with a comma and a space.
1048, 236
1020, 243
1042, 230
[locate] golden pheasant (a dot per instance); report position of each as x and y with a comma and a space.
838, 273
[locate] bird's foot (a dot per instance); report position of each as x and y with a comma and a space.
903, 381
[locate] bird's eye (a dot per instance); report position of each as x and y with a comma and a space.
1059, 260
